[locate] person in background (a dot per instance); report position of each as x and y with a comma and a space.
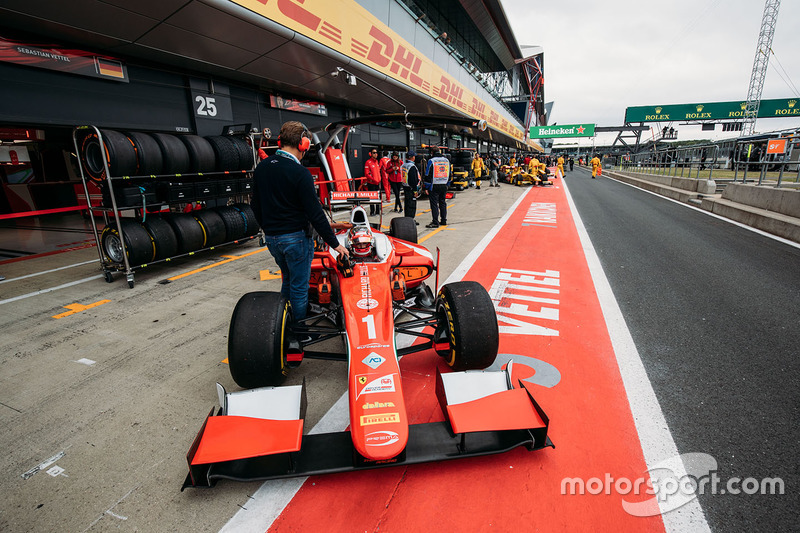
286, 206
372, 175
409, 175
595, 166
437, 175
560, 164
571, 163
384, 175
395, 180
477, 169
494, 166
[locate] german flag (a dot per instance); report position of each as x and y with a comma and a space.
109, 67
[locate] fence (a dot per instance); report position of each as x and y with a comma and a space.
676, 162
725, 161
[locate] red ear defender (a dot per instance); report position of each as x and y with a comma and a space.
279, 143
305, 144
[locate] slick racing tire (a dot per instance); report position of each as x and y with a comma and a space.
139, 245
201, 154
213, 227
403, 228
148, 154
467, 324
163, 236
188, 232
258, 340
173, 152
118, 151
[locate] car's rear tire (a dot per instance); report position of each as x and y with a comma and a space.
468, 324
258, 340
403, 228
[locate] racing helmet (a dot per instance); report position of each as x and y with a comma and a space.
362, 243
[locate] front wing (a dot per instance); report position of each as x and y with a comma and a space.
484, 415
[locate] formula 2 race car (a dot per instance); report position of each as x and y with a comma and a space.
364, 301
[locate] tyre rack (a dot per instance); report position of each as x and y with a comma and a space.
109, 266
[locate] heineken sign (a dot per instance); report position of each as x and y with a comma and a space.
784, 107
568, 130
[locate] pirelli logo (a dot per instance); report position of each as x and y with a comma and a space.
388, 418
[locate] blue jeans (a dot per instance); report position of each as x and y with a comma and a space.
293, 252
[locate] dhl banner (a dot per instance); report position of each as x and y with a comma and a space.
348, 28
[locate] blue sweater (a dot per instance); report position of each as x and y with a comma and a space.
285, 201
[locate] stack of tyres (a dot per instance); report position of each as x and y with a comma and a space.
157, 154
147, 241
172, 234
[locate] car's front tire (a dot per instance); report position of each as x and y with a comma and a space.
468, 324
258, 339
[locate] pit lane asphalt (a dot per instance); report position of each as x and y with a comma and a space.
114, 394
714, 310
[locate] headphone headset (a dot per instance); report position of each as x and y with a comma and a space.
305, 143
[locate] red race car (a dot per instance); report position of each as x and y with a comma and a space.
365, 301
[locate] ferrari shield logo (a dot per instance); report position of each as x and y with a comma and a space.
362, 380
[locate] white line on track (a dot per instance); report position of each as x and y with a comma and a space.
654, 434
268, 502
51, 289
47, 271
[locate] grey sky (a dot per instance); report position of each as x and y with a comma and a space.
604, 56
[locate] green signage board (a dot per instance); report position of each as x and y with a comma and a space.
568, 130
783, 107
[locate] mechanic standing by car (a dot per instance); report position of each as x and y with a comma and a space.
372, 173
286, 205
395, 180
438, 174
410, 179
